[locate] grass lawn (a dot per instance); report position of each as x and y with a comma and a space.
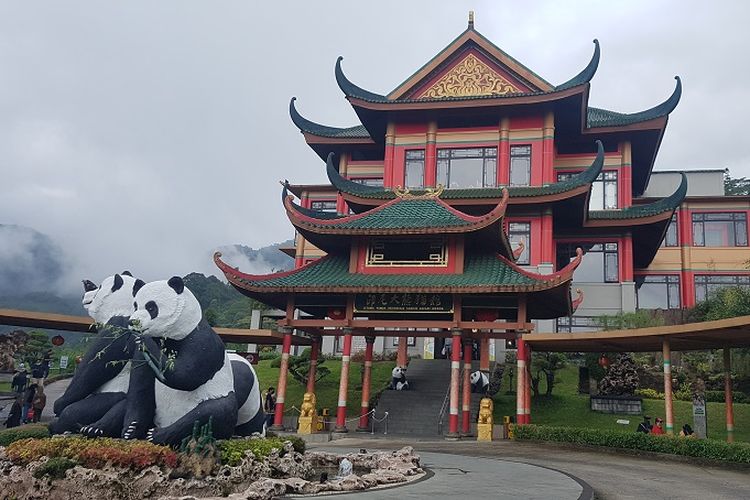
567, 408
327, 390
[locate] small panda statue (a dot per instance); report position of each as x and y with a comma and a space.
398, 379
186, 355
480, 382
95, 397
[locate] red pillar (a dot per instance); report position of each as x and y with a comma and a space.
314, 349
402, 359
503, 154
548, 149
527, 389
484, 354
728, 394
668, 413
520, 381
454, 394
430, 160
278, 417
466, 403
344, 382
364, 412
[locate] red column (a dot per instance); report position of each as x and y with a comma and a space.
364, 412
548, 244
627, 258
548, 149
484, 354
402, 359
466, 403
278, 417
503, 154
454, 395
344, 382
668, 413
520, 381
314, 349
527, 389
430, 157
728, 394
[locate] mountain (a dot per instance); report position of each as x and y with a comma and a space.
29, 261
222, 305
264, 260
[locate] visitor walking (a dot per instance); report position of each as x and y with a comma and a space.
269, 406
18, 384
38, 372
40, 401
14, 417
28, 400
657, 428
645, 426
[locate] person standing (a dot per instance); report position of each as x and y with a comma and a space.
28, 400
19, 381
38, 372
39, 402
269, 406
14, 417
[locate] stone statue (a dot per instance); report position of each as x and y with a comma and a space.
485, 421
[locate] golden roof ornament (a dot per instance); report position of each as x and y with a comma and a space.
471, 19
405, 193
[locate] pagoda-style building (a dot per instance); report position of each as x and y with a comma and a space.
463, 207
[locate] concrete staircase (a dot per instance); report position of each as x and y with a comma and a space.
416, 412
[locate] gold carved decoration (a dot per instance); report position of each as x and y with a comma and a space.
406, 194
470, 77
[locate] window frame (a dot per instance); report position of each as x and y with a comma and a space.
525, 155
667, 280
447, 155
416, 160
330, 209
736, 219
410, 341
606, 177
526, 233
585, 324
703, 281
375, 259
607, 248
672, 231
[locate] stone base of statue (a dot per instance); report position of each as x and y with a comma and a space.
484, 432
307, 425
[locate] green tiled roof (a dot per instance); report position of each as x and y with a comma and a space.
305, 125
668, 204
596, 117
486, 270
373, 192
586, 74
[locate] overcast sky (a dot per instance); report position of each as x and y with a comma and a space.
144, 134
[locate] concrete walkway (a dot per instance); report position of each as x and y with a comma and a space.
611, 475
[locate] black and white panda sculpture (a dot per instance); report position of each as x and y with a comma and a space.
180, 350
94, 402
398, 379
480, 382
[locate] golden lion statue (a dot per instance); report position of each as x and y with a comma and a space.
308, 405
485, 411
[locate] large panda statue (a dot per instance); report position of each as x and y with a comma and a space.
94, 402
398, 379
480, 382
179, 349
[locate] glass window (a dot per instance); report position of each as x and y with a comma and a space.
603, 190
720, 229
599, 263
705, 285
670, 238
520, 165
571, 324
369, 181
324, 205
410, 341
467, 168
430, 253
414, 169
519, 232
658, 292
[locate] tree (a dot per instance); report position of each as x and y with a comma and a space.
299, 367
546, 364
621, 378
37, 345
736, 187
727, 302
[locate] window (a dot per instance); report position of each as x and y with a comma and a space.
425, 253
720, 229
670, 239
369, 181
467, 168
324, 205
572, 324
603, 190
410, 341
414, 169
520, 165
599, 264
520, 232
658, 292
705, 285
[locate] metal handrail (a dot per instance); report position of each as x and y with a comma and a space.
442, 411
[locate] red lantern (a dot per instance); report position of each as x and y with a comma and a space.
604, 362
57, 340
336, 313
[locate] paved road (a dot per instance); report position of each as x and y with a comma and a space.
612, 476
53, 391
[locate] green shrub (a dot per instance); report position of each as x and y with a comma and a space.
264, 355
233, 450
8, 436
54, 468
649, 393
711, 396
688, 447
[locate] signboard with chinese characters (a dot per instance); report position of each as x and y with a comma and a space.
63, 362
403, 302
700, 425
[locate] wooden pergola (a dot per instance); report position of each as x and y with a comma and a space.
719, 334
83, 324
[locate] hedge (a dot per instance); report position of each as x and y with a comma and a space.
233, 450
711, 396
688, 447
13, 434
